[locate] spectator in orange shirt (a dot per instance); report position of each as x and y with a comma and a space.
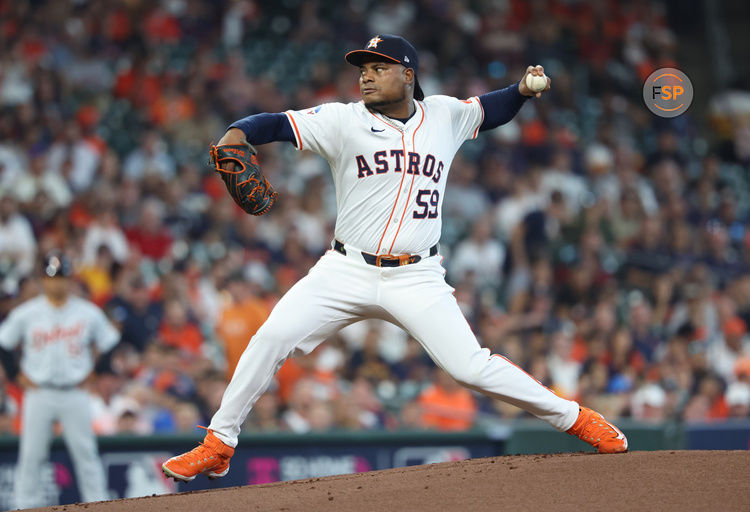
239, 321
172, 107
178, 331
305, 367
97, 276
446, 405
708, 404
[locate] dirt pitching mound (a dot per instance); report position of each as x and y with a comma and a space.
664, 481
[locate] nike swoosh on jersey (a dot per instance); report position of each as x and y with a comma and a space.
376, 131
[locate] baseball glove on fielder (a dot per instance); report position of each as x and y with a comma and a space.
245, 183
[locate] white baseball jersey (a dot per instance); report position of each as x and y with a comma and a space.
390, 177
57, 341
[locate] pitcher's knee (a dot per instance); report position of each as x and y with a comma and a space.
470, 372
261, 348
465, 376
272, 338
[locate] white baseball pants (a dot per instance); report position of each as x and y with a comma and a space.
342, 289
41, 408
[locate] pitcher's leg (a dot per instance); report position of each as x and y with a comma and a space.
430, 313
37, 420
81, 443
316, 307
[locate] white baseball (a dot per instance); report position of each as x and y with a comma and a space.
536, 83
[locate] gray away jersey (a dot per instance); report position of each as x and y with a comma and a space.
56, 342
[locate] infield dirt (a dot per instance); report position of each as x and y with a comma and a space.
653, 481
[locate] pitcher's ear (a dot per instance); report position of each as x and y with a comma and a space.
409, 73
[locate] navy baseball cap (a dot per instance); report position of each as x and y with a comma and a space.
393, 48
57, 265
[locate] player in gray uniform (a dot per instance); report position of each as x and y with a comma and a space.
60, 336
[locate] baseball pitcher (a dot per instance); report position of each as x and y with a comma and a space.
58, 335
390, 155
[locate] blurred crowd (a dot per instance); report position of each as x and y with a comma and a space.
604, 250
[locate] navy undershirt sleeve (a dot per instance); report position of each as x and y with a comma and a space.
501, 106
264, 128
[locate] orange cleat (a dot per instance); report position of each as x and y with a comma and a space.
211, 457
598, 432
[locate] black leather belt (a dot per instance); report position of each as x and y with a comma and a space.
386, 260
55, 387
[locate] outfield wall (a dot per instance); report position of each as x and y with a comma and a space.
132, 464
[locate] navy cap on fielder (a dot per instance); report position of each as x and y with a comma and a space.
56, 265
394, 48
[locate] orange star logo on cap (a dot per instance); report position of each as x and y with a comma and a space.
374, 42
